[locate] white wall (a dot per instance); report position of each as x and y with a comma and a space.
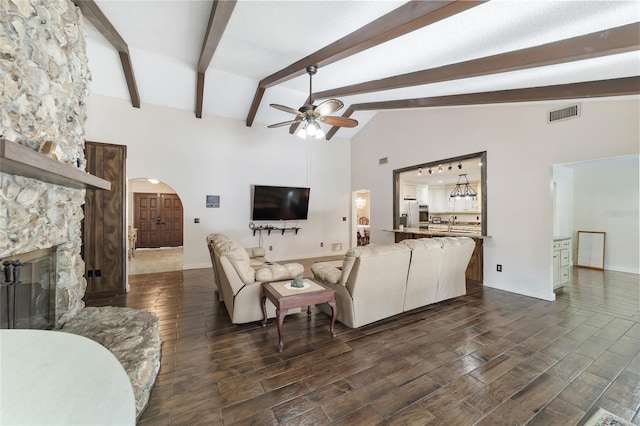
562, 177
219, 156
521, 148
606, 200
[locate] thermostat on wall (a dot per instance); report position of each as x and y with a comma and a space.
213, 201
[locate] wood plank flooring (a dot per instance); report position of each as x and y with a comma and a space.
490, 357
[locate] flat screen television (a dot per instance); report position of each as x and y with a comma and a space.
279, 203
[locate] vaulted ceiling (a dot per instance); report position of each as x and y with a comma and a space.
232, 59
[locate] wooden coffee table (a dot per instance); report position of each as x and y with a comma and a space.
284, 298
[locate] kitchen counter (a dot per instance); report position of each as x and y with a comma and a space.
438, 233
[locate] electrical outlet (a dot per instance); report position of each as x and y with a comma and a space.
196, 220
344, 218
321, 244
499, 268
270, 248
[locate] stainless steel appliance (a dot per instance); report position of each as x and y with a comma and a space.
411, 210
423, 216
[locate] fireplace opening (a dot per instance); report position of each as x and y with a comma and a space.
27, 290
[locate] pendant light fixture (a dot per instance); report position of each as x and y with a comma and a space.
463, 189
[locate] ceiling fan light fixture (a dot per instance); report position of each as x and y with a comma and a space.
309, 114
311, 129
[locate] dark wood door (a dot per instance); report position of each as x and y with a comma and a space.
158, 219
104, 230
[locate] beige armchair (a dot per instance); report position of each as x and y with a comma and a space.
371, 285
456, 253
239, 283
424, 272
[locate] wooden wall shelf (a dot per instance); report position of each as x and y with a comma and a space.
19, 160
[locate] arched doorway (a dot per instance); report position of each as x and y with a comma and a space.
155, 217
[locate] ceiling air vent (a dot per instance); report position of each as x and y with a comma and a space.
384, 160
565, 113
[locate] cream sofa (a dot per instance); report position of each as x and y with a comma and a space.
381, 280
239, 277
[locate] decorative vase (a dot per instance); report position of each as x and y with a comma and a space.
297, 281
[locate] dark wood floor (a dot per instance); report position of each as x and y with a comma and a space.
488, 358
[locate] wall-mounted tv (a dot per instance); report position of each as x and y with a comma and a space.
279, 203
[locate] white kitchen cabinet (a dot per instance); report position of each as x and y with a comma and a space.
561, 261
437, 200
423, 194
409, 191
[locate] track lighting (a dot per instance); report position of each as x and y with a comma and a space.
449, 168
440, 169
459, 166
430, 171
420, 171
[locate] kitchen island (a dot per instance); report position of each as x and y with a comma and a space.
475, 267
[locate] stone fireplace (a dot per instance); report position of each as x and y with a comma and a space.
43, 89
27, 290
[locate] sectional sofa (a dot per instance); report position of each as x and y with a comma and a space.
381, 280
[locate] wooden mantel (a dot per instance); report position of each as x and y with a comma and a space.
19, 160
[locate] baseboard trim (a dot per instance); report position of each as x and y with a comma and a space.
523, 291
197, 265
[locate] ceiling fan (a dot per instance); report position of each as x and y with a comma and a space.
312, 114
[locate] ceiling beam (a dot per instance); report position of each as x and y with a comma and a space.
92, 12
218, 19
406, 18
608, 42
589, 89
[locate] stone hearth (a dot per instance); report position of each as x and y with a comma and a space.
132, 335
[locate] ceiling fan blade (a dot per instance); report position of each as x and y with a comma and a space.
285, 123
328, 106
286, 109
339, 121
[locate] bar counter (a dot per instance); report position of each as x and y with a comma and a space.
425, 233
475, 270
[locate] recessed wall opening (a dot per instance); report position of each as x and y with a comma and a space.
156, 227
422, 192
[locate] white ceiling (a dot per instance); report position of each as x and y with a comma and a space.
262, 37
